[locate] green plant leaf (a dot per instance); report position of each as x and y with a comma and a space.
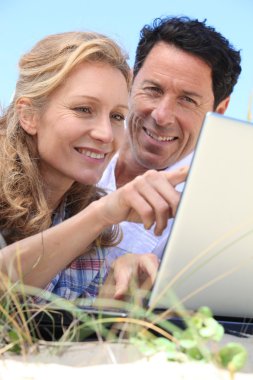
146, 347
176, 356
188, 343
205, 311
233, 356
211, 330
13, 336
195, 354
164, 344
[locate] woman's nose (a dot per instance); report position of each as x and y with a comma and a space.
103, 130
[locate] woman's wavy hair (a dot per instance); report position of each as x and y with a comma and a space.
23, 207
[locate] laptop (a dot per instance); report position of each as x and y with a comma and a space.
208, 259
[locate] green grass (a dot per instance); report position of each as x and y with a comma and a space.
19, 331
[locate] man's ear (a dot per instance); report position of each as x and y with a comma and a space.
27, 116
222, 106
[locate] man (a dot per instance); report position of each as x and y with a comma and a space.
183, 69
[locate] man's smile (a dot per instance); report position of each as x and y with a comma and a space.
157, 137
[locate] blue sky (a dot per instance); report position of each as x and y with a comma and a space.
23, 23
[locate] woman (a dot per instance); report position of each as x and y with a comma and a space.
63, 126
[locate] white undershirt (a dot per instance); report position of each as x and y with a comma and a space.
135, 238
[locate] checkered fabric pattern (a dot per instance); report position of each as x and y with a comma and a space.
83, 277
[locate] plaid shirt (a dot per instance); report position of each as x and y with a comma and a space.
83, 277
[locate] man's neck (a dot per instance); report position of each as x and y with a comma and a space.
126, 167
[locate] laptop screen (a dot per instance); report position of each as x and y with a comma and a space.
208, 259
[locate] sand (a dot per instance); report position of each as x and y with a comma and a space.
90, 360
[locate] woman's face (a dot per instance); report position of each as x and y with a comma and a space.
82, 125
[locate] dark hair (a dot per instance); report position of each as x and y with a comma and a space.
198, 39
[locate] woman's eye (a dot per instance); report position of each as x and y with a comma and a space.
118, 117
83, 109
153, 89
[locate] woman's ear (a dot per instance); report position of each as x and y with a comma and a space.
27, 116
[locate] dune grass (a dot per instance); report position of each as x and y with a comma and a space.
20, 329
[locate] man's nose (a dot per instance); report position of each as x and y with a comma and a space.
164, 112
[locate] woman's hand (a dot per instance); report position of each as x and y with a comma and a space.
129, 273
149, 198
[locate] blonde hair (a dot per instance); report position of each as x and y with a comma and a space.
23, 207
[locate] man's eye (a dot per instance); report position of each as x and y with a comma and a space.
188, 99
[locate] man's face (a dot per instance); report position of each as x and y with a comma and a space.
170, 96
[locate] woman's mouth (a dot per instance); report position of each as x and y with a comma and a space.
91, 154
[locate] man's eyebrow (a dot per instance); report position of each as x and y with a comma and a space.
148, 81
185, 92
192, 93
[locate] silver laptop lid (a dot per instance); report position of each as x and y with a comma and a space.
208, 260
